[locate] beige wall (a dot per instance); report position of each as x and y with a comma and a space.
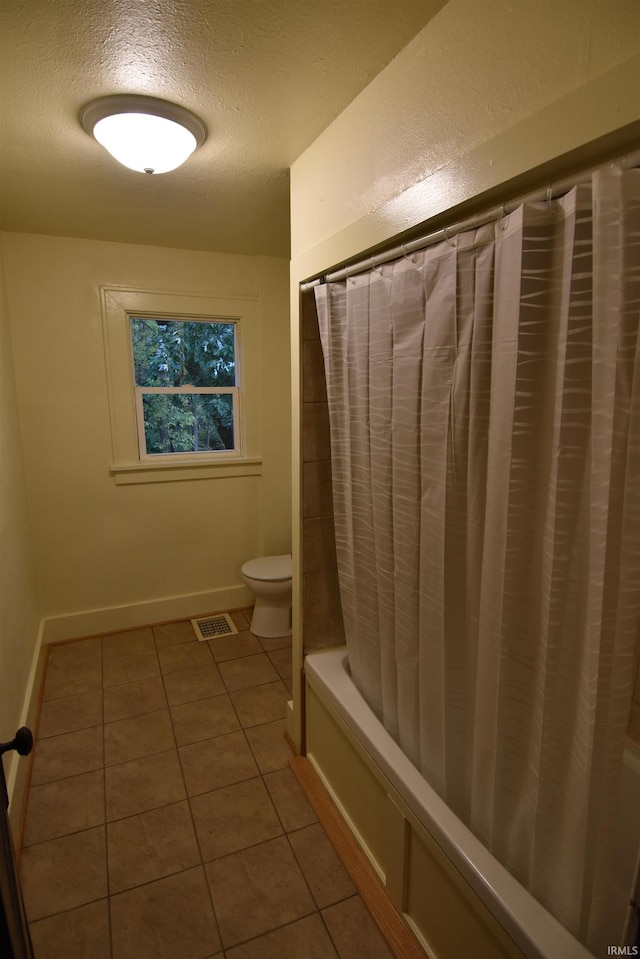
110, 556
19, 608
488, 91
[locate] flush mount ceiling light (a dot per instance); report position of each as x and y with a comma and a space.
143, 133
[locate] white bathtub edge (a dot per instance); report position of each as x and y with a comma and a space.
536, 932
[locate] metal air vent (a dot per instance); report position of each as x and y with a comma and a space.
210, 627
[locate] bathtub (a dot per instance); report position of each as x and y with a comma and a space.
455, 896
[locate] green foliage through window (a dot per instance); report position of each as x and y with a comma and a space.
185, 376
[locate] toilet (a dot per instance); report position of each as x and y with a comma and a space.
269, 579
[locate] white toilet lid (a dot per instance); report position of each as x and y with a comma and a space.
271, 568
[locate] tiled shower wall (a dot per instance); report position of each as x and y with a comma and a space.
322, 615
321, 612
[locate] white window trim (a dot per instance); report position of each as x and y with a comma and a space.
127, 465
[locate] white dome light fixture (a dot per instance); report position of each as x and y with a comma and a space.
143, 133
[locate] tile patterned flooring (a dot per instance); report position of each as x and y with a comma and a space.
163, 819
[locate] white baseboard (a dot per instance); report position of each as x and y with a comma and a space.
114, 618
17, 767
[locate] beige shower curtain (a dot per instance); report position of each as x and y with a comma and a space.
484, 399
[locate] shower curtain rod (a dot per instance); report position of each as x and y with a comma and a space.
552, 192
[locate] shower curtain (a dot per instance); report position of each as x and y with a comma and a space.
484, 402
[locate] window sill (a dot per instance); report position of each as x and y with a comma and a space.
183, 469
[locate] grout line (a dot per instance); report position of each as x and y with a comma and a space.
261, 935
106, 827
400, 939
103, 768
187, 797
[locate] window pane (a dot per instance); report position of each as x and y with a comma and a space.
190, 423
183, 353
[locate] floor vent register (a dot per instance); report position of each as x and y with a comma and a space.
210, 627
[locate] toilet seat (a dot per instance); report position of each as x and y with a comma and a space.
269, 568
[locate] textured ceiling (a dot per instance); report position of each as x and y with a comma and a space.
266, 76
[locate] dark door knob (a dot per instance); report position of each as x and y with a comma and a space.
22, 743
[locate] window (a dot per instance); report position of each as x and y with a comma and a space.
186, 385
200, 417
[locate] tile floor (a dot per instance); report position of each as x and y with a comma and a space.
163, 819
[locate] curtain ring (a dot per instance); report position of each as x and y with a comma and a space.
502, 218
445, 232
549, 199
412, 258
